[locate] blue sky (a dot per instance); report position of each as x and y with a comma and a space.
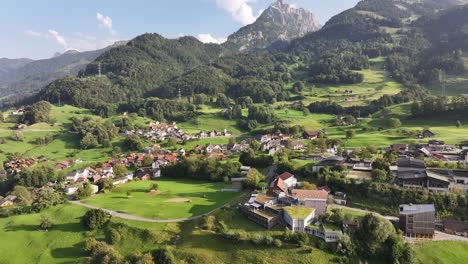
39, 28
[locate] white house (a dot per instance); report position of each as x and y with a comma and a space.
297, 218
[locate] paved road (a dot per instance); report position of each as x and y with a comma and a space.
271, 173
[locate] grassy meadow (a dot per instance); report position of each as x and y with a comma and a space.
203, 198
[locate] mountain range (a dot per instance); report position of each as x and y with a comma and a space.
405, 32
157, 59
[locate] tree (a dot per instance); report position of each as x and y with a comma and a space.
144, 259
253, 178
345, 246
154, 187
458, 124
133, 142
102, 253
119, 170
46, 222
17, 136
350, 133
106, 185
172, 142
22, 195
372, 234
38, 112
337, 215
46, 198
379, 175
89, 141
84, 191
163, 256
147, 161
308, 186
95, 219
394, 122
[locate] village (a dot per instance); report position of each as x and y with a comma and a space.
285, 201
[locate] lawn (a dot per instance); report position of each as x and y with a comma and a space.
446, 252
22, 241
164, 205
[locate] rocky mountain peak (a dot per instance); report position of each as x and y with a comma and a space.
279, 22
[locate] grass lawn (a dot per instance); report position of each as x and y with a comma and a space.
443, 252
161, 206
22, 241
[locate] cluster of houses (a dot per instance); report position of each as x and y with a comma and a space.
160, 131
77, 178
299, 210
272, 143
233, 148
16, 165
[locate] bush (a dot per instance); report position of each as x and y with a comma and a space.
46, 222
113, 236
269, 240
257, 239
89, 244
277, 243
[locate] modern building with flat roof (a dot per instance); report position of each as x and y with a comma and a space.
417, 220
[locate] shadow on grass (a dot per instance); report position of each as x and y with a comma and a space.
71, 227
74, 252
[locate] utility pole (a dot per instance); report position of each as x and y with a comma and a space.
442, 79
99, 69
179, 94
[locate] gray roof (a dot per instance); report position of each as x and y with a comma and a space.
416, 208
334, 159
411, 163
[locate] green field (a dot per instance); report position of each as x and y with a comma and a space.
446, 252
160, 206
22, 241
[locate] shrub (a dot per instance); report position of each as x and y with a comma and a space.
46, 222
113, 236
257, 239
89, 244
269, 240
277, 243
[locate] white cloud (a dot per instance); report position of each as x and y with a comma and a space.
59, 39
50, 34
80, 41
105, 22
240, 10
208, 38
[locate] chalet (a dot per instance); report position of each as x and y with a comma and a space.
399, 148
417, 220
312, 199
8, 201
63, 165
71, 189
298, 145
427, 134
142, 175
311, 135
282, 184
121, 180
76, 175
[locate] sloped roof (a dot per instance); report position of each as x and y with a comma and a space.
310, 194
